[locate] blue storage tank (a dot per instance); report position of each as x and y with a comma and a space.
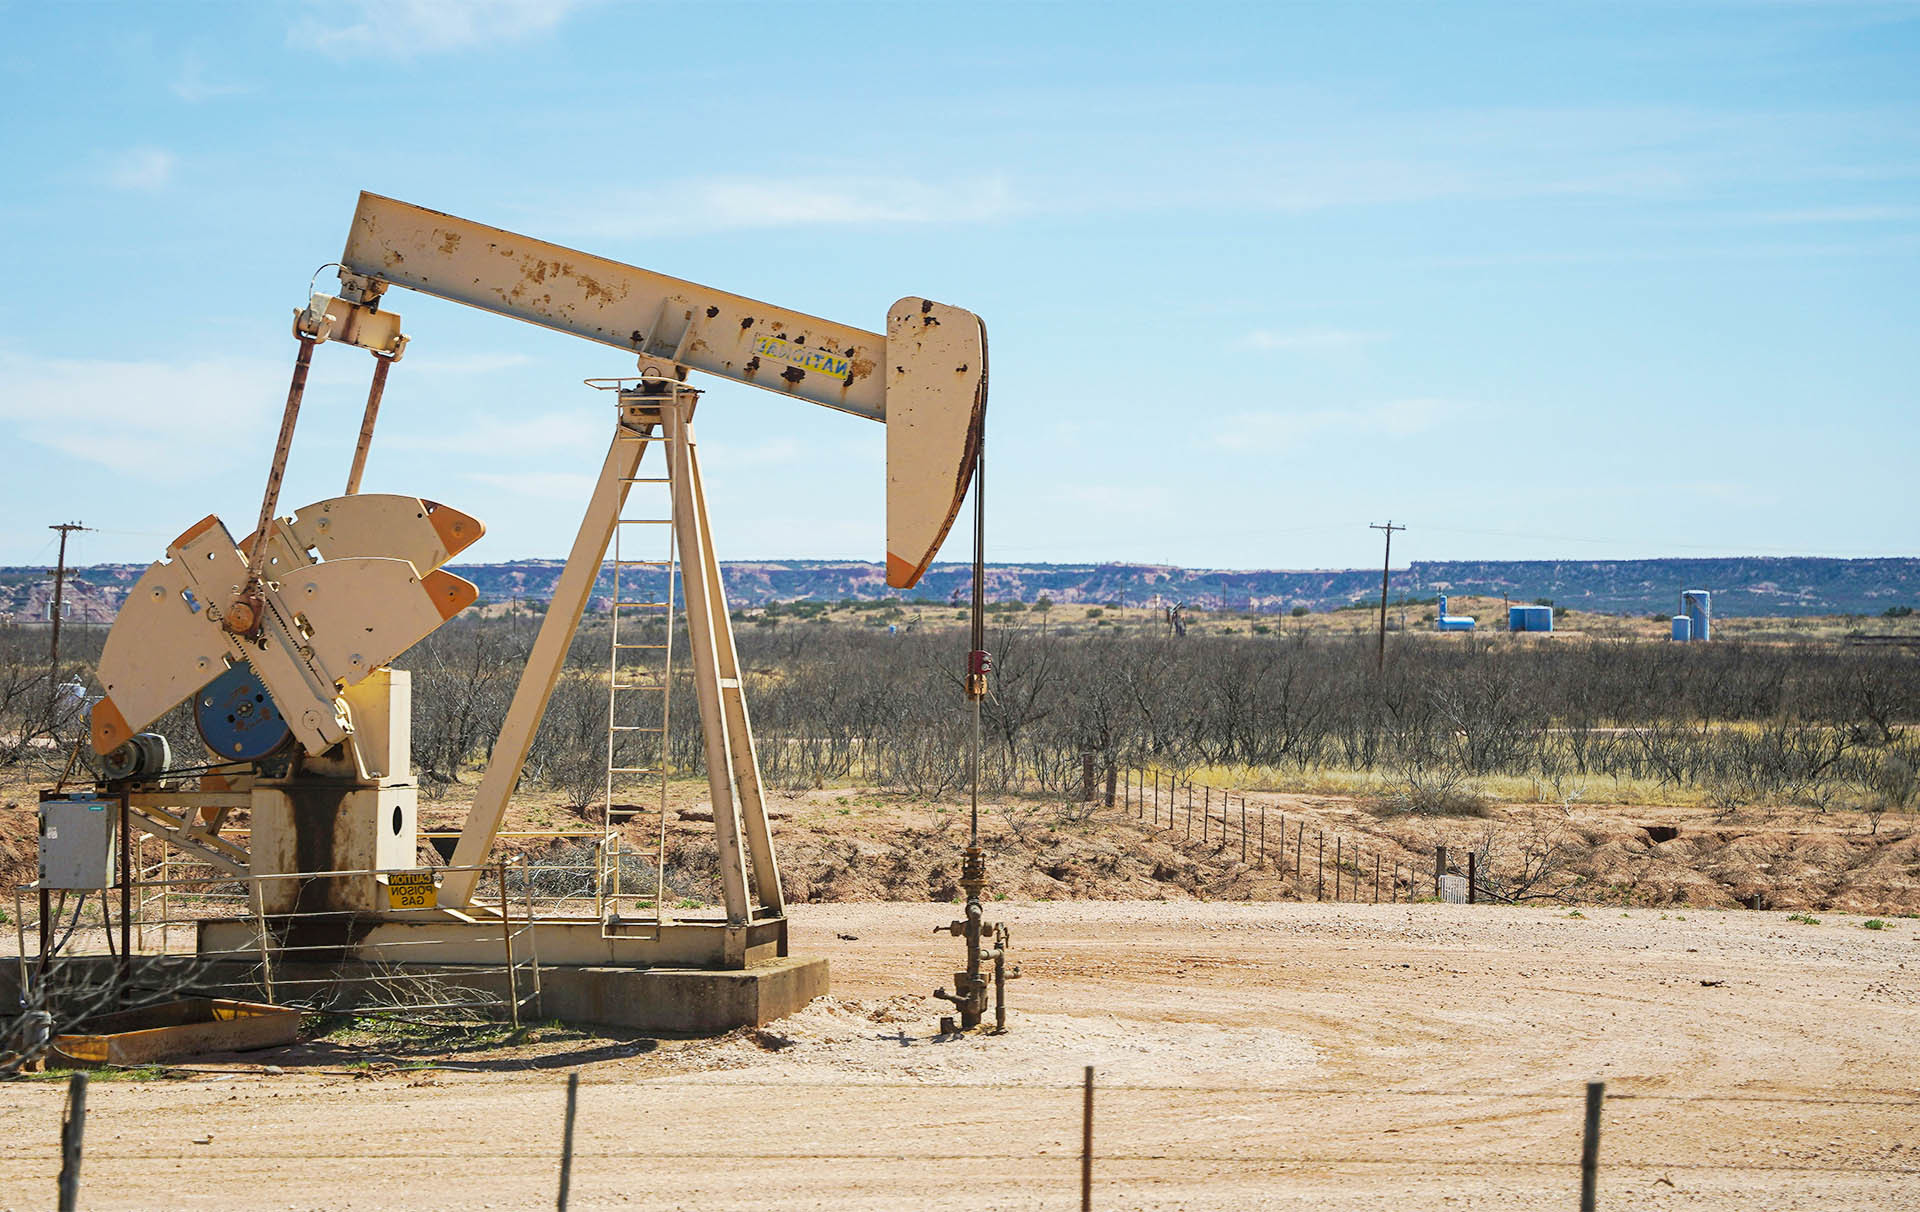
1529, 618
1682, 628
1452, 622
1697, 605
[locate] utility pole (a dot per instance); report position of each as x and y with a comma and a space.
59, 602
1385, 564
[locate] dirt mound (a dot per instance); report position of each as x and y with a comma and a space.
19, 843
851, 845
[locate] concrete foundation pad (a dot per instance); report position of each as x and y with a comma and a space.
675, 1001
693, 1001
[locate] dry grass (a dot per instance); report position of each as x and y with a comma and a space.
1408, 621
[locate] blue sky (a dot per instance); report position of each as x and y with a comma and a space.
1538, 280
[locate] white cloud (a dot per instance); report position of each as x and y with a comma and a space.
1110, 501
1311, 339
141, 168
464, 364
162, 422
192, 85
775, 452
492, 436
1265, 431
575, 488
400, 28
1841, 214
1726, 492
734, 204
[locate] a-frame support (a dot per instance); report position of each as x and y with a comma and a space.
750, 875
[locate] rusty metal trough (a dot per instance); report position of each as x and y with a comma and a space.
174, 1029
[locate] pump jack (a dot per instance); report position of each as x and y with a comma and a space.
294, 626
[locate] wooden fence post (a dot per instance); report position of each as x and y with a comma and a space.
1439, 868
1590, 1147
1111, 777
1376, 879
566, 1140
1299, 839
1086, 1144
1473, 878
73, 1130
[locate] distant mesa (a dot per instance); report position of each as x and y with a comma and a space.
1771, 585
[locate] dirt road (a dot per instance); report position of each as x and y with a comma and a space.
1248, 1056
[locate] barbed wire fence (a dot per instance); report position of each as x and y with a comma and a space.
556, 1158
1322, 865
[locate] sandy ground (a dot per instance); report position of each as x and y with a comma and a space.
1248, 1056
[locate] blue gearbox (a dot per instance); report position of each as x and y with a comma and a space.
237, 717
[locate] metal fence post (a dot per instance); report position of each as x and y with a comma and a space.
1320, 888
1339, 850
533, 939
1473, 878
506, 939
260, 922
126, 897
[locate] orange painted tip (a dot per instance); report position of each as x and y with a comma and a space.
458, 531
450, 594
195, 531
110, 730
902, 574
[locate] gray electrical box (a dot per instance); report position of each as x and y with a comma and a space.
76, 843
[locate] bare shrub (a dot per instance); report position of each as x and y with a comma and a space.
1433, 789
1524, 864
570, 751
